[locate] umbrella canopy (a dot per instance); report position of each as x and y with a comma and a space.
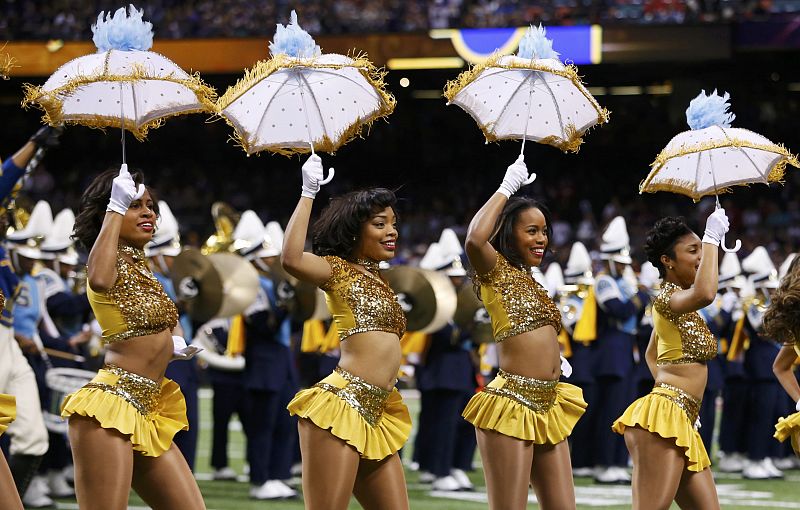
528, 96
301, 101
713, 156
123, 84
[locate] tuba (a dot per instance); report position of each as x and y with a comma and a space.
225, 220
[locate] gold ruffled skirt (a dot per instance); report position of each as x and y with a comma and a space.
151, 413
544, 412
789, 427
8, 411
371, 419
671, 413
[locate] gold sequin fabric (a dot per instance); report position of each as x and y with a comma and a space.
141, 299
697, 342
140, 392
361, 302
537, 395
368, 399
515, 301
689, 404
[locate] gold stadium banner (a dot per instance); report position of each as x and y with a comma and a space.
436, 49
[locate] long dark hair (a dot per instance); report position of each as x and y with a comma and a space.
338, 229
782, 318
503, 237
661, 240
93, 205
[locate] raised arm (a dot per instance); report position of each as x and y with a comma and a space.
782, 368
101, 266
297, 262
480, 252
704, 290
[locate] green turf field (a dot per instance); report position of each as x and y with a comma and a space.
735, 493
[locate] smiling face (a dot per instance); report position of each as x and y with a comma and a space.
139, 222
688, 253
378, 237
530, 236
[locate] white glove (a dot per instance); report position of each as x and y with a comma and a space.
516, 177
180, 351
123, 191
566, 368
697, 424
717, 225
729, 300
313, 176
797, 407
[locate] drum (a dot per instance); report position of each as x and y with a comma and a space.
60, 383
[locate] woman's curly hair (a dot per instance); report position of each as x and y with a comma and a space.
338, 229
503, 236
782, 318
661, 240
93, 205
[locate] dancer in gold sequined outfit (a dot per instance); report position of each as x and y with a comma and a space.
121, 424
353, 422
660, 429
524, 415
782, 322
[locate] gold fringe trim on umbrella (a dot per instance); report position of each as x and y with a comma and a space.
574, 138
6, 64
51, 102
688, 188
264, 68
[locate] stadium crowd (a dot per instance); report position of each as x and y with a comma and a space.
28, 19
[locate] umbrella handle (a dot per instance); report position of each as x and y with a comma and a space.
736, 246
331, 173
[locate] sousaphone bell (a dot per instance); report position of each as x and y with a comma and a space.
214, 285
428, 297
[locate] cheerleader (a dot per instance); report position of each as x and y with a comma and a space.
660, 429
524, 415
353, 422
122, 423
782, 322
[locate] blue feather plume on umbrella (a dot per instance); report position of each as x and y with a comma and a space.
535, 44
123, 31
709, 110
293, 41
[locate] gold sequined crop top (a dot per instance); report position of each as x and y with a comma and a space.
680, 338
136, 305
359, 302
515, 301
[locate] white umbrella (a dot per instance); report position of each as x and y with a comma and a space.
123, 84
713, 156
531, 95
300, 100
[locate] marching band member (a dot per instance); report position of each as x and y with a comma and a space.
660, 429
524, 415
270, 380
717, 316
160, 253
620, 304
28, 433
782, 322
733, 423
353, 422
578, 318
649, 279
129, 413
763, 404
446, 380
